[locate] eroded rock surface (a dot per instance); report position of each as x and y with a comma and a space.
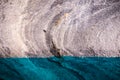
59, 27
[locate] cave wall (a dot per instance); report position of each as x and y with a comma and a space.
45, 28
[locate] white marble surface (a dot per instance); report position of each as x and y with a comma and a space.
59, 27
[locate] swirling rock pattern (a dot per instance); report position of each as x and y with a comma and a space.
59, 27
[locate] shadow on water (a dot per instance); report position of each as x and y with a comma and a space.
64, 68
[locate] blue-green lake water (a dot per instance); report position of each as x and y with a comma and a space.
65, 68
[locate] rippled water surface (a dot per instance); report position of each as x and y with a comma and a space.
65, 68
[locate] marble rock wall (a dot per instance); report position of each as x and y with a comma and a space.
42, 28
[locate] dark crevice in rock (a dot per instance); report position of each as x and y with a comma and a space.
5, 52
58, 2
55, 3
44, 31
119, 51
49, 38
55, 51
91, 51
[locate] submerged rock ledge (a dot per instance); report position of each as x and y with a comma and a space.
44, 28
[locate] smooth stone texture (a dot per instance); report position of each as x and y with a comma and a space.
42, 28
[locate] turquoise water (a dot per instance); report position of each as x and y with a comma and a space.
65, 68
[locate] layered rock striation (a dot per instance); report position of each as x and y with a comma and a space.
42, 28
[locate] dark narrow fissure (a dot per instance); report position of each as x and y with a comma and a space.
49, 38
58, 2
55, 51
